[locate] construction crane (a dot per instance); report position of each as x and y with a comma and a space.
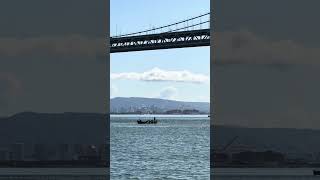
229, 143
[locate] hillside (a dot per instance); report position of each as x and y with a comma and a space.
154, 105
29, 127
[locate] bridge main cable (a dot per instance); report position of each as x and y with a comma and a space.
161, 27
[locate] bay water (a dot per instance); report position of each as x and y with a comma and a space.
177, 147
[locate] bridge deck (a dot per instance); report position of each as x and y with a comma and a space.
165, 40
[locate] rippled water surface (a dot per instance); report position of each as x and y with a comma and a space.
175, 148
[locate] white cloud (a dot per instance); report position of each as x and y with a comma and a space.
113, 90
168, 93
157, 74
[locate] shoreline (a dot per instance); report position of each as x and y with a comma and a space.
164, 115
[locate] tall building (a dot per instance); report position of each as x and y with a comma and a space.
40, 152
4, 154
103, 152
17, 151
77, 151
64, 152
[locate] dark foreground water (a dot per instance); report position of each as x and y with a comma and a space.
263, 174
175, 148
53, 173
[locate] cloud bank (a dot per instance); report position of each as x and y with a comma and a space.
244, 47
69, 45
157, 74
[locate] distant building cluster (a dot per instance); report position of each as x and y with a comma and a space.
185, 111
143, 109
249, 158
137, 109
241, 156
60, 152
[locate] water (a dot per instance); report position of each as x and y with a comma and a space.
263, 174
53, 173
175, 148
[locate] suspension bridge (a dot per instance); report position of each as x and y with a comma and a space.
192, 32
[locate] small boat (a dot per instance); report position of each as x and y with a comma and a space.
154, 121
316, 173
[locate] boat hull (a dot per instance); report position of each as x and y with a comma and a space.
147, 122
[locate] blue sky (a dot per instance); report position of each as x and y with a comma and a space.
132, 72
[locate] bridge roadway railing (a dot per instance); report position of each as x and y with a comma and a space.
167, 40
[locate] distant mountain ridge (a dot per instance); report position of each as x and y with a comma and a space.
136, 104
66, 127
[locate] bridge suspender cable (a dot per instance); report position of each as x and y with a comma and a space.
173, 24
189, 26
